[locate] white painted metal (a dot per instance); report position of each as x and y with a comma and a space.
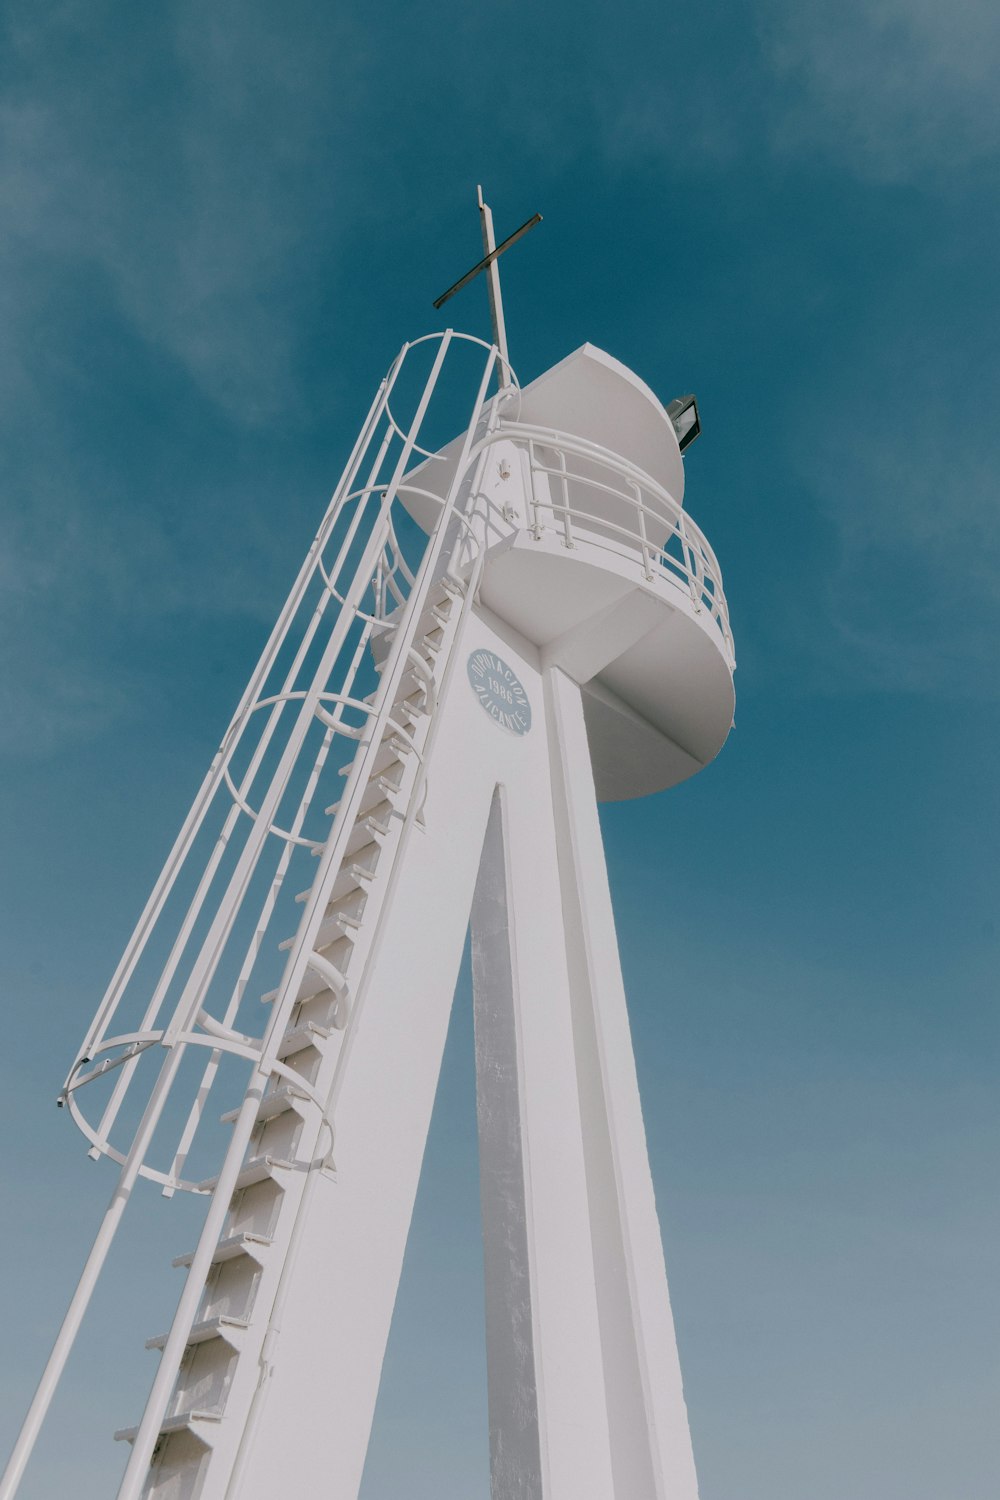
493, 283
536, 540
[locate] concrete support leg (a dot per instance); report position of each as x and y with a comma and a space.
650, 1439
585, 1393
515, 1453
549, 1432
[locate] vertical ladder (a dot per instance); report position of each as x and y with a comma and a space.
225, 1359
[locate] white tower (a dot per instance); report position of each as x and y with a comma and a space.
486, 637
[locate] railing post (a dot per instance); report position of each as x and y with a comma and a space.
641, 513
567, 522
694, 578
536, 527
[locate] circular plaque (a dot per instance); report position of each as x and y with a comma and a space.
499, 691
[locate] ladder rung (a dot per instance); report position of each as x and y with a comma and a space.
374, 801
301, 1037
418, 650
355, 870
374, 785
278, 1102
352, 878
212, 1328
230, 1248
360, 835
257, 1169
333, 928
358, 869
392, 749
336, 924
412, 684
178, 1423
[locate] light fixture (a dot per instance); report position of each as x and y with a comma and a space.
683, 413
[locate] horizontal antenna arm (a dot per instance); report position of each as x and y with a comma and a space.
488, 259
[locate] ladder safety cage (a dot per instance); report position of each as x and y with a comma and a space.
368, 593
342, 699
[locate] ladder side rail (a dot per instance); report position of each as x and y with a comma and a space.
173, 1350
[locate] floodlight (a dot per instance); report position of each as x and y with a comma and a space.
683, 413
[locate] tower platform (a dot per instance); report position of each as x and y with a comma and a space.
591, 558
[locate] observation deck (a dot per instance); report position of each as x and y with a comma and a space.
577, 497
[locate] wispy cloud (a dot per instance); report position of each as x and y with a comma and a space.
153, 193
169, 161
894, 89
908, 597
51, 692
886, 90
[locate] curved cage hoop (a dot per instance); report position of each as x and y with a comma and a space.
135, 1043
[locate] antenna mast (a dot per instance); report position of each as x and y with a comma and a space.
493, 251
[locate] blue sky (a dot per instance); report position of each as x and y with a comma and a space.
219, 223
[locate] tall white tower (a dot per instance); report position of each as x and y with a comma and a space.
488, 636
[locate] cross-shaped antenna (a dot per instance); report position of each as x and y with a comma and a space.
489, 265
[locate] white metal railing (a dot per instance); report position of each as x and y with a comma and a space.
629, 512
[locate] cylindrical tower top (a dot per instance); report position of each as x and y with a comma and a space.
591, 557
591, 395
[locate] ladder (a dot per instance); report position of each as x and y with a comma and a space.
227, 1340
393, 568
